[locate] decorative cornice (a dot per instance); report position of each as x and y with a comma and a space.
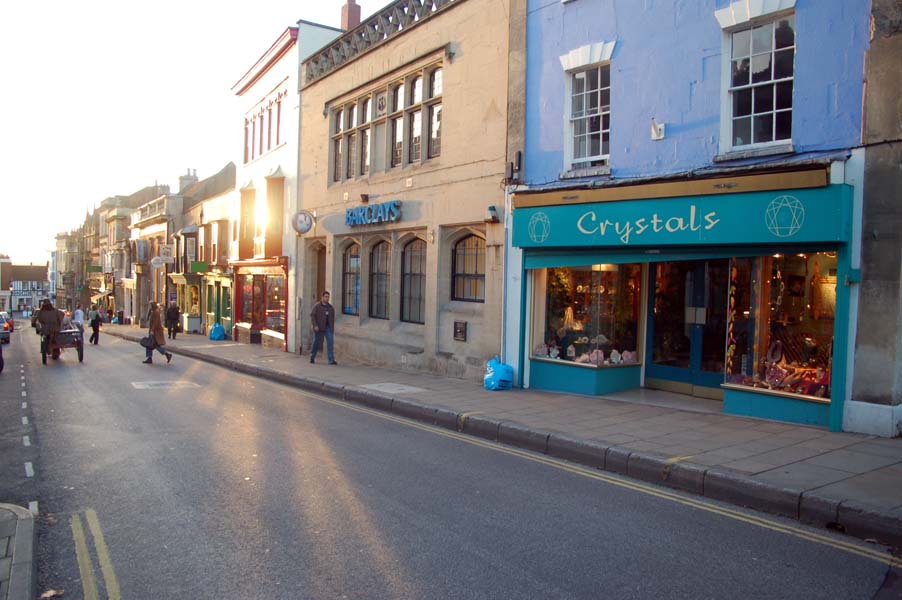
283, 44
395, 19
587, 55
743, 11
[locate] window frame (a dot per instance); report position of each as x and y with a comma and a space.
413, 281
347, 277
380, 308
467, 276
595, 161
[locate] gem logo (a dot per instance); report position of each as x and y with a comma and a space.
539, 227
785, 216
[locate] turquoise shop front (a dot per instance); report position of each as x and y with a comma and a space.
741, 297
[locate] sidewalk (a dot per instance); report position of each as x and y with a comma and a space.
846, 481
17, 538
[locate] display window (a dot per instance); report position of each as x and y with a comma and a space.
587, 315
781, 323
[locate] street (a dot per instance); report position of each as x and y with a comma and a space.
187, 480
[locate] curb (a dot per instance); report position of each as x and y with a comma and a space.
731, 487
22, 570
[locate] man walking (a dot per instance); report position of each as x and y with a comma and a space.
323, 318
78, 317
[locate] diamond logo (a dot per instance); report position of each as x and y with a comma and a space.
539, 227
784, 216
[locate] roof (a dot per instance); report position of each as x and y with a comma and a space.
29, 273
221, 182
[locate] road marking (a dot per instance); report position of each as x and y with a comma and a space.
103, 556
160, 385
25, 405
33, 507
23, 384
29, 470
24, 394
26, 440
676, 459
23, 377
88, 583
24, 420
648, 489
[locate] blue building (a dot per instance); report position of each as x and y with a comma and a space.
689, 206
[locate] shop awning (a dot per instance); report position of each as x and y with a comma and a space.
97, 297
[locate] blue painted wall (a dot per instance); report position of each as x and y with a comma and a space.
667, 65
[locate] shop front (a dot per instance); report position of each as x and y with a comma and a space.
739, 297
260, 308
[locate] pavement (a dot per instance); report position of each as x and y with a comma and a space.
17, 540
843, 481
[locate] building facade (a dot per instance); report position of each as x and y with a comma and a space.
694, 227
261, 254
408, 121
30, 284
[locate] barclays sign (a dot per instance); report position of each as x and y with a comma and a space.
385, 212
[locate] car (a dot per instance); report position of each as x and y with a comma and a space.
5, 328
9, 318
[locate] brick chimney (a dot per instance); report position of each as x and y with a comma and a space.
187, 180
350, 15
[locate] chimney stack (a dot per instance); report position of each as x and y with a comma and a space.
350, 15
187, 180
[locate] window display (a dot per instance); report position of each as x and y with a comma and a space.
587, 315
781, 319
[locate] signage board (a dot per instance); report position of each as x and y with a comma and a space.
166, 253
302, 222
372, 214
156, 262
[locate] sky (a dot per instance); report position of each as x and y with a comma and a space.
103, 98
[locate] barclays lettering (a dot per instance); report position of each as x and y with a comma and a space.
385, 212
590, 224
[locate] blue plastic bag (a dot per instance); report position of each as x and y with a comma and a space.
498, 376
217, 332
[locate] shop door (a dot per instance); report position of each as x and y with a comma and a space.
217, 303
687, 326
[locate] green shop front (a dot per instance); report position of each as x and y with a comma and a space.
737, 296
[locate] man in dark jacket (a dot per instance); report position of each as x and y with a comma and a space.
173, 316
323, 318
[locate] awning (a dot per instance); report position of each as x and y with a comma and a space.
97, 297
188, 229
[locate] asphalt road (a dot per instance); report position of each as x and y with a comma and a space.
189, 481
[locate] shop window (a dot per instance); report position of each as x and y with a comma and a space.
413, 282
275, 303
226, 303
468, 270
781, 323
247, 298
350, 280
380, 259
194, 299
587, 315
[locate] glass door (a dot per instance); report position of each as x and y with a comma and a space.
687, 325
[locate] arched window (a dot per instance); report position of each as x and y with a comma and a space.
350, 280
380, 274
468, 270
413, 282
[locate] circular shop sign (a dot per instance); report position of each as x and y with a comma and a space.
302, 221
156, 262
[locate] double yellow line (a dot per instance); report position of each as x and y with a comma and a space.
850, 547
86, 564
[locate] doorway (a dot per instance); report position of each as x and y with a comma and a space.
687, 326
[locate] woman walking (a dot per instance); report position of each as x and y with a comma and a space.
157, 336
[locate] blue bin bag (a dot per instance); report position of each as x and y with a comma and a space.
498, 376
217, 332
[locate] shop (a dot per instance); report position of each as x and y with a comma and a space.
736, 296
218, 300
260, 302
187, 298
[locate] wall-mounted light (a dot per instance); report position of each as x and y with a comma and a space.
491, 214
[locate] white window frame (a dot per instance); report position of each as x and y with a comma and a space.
580, 59
739, 15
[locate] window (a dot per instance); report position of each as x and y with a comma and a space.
350, 280
468, 270
380, 259
762, 61
588, 314
413, 282
590, 117
386, 127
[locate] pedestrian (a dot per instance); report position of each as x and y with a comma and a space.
51, 323
109, 314
157, 336
173, 317
323, 318
94, 320
78, 318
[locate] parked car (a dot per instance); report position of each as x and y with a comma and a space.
5, 328
9, 318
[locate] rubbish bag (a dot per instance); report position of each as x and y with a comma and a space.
498, 376
217, 332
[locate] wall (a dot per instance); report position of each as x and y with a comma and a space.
667, 65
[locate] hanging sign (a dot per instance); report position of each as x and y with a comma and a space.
302, 221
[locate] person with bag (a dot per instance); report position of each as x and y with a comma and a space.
94, 320
157, 336
173, 320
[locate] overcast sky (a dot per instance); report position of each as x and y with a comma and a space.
105, 97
